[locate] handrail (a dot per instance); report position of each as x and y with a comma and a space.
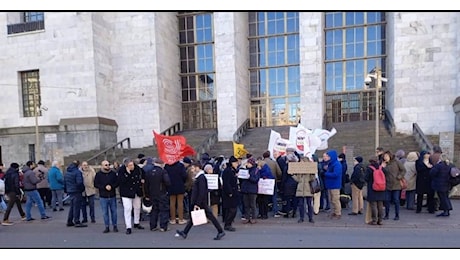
389, 123
420, 137
113, 149
241, 131
206, 145
172, 129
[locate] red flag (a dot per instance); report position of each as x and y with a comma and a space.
172, 148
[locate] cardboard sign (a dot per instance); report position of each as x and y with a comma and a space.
266, 186
243, 174
303, 167
212, 181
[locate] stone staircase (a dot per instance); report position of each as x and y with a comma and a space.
194, 138
353, 138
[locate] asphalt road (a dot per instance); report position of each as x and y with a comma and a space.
413, 230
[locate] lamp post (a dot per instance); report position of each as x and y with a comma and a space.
376, 74
37, 139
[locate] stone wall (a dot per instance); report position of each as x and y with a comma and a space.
422, 63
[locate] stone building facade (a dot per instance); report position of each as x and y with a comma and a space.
105, 76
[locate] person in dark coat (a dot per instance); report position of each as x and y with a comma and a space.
289, 186
440, 175
249, 191
130, 179
423, 167
13, 191
345, 178
199, 200
263, 199
230, 193
73, 186
178, 176
156, 184
375, 198
357, 184
106, 181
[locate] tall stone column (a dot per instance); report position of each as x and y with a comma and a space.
231, 54
311, 69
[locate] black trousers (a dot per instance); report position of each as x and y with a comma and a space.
160, 211
230, 214
430, 201
210, 216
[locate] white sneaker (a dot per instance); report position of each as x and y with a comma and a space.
182, 222
172, 222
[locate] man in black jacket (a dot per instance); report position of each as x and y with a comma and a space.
199, 200
73, 186
13, 192
156, 183
106, 181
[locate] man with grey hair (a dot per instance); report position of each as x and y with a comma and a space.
56, 182
131, 179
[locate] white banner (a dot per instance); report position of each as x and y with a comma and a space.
212, 181
277, 145
266, 186
324, 135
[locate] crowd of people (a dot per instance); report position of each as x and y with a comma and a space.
167, 193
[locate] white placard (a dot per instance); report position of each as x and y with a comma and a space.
243, 173
266, 186
212, 181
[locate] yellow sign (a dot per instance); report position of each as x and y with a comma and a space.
238, 150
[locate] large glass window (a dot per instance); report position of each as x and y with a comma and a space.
274, 67
30, 86
196, 45
354, 45
25, 22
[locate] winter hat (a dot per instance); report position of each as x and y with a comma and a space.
359, 159
252, 161
232, 159
158, 161
14, 165
187, 160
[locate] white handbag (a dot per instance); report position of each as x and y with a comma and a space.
198, 217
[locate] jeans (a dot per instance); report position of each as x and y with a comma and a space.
109, 206
410, 199
393, 196
324, 202
249, 202
88, 201
57, 196
275, 199
3, 205
301, 201
75, 207
34, 197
